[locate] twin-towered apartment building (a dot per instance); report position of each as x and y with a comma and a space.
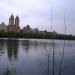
14, 26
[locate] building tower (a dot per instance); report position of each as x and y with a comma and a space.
17, 21
11, 20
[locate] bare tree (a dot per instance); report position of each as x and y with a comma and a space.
61, 63
52, 40
62, 57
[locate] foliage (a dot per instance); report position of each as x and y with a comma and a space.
36, 35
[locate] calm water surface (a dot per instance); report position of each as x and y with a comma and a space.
30, 57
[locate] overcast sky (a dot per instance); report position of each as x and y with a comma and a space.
37, 13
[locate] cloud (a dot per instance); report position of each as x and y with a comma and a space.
25, 7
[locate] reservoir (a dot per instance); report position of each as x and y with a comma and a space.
35, 57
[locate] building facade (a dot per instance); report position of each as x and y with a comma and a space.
13, 25
27, 29
3, 27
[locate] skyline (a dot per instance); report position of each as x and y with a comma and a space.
37, 13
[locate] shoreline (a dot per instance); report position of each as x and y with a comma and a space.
33, 39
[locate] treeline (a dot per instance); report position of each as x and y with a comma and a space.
37, 35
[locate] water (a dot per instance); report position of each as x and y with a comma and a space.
30, 57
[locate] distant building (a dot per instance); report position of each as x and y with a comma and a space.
35, 30
13, 25
54, 32
17, 28
3, 27
27, 29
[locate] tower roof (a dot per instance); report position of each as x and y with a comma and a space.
17, 17
12, 16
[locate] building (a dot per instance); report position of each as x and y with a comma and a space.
3, 27
13, 25
27, 29
35, 30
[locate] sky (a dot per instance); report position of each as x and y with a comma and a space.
37, 14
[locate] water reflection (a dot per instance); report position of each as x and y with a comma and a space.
35, 57
26, 45
12, 49
9, 72
2, 42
